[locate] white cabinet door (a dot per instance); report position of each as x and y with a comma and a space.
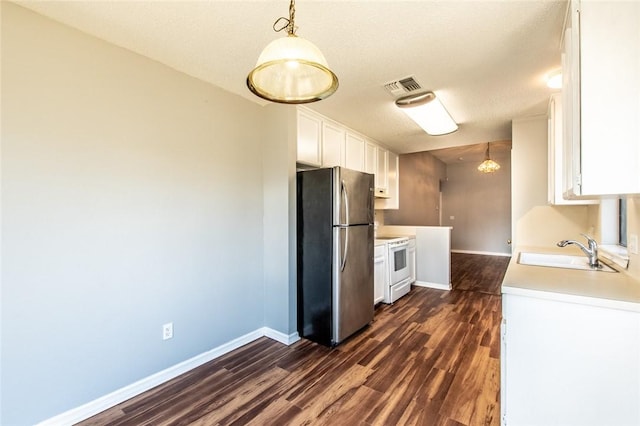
380, 272
382, 169
569, 364
556, 165
602, 82
354, 152
393, 185
411, 252
371, 159
333, 141
309, 139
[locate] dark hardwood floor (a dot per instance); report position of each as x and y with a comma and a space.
432, 358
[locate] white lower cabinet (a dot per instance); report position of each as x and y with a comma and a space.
569, 363
411, 252
380, 275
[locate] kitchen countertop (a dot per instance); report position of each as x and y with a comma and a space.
609, 290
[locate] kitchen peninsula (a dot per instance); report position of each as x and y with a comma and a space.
570, 345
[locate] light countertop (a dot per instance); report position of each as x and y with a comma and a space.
609, 290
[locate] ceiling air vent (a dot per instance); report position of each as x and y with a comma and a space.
402, 86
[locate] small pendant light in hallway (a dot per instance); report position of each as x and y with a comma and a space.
488, 165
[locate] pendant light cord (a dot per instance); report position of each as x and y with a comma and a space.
288, 23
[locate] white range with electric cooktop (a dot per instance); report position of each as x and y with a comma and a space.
400, 268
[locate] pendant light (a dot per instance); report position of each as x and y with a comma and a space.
488, 165
291, 70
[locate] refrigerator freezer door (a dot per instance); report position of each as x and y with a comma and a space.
353, 286
354, 197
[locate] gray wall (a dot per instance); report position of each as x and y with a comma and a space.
480, 205
132, 195
279, 253
420, 176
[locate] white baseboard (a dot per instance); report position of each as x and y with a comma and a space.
486, 253
437, 286
280, 337
116, 397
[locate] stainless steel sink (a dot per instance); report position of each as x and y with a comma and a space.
560, 261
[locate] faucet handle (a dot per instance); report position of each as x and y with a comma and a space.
592, 242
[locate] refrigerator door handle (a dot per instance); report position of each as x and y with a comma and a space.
345, 197
346, 248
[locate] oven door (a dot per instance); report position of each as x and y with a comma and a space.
398, 263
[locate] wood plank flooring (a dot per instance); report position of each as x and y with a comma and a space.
432, 358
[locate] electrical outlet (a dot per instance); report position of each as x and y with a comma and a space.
167, 331
633, 243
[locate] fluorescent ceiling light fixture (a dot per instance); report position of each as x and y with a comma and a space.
554, 79
428, 112
291, 70
488, 165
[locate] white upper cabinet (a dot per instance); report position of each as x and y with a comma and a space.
371, 158
333, 140
392, 200
601, 96
382, 168
325, 143
354, 152
556, 168
309, 133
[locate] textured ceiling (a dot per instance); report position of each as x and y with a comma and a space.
486, 60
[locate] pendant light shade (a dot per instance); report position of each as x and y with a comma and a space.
488, 165
292, 70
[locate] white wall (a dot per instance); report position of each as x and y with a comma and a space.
534, 222
132, 195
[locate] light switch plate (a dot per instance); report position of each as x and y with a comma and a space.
633, 243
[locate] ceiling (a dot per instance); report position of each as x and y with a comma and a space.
486, 60
473, 153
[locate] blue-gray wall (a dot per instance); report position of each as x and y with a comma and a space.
132, 195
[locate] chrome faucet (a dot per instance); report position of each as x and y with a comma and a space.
591, 252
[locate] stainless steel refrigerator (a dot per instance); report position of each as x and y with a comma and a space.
334, 253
